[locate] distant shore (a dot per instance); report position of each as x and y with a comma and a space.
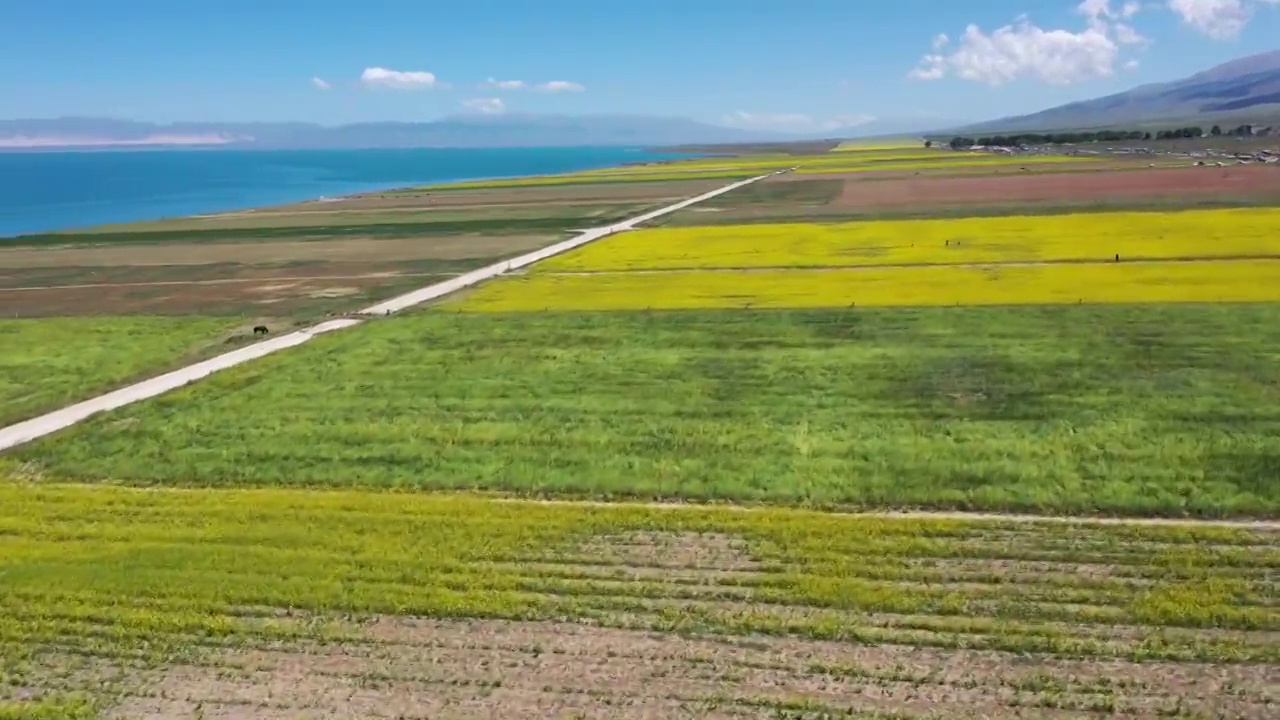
47, 192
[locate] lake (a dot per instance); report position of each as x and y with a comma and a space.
46, 191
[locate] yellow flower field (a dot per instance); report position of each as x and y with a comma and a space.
748, 165
875, 145
1159, 282
940, 160
1253, 232
585, 177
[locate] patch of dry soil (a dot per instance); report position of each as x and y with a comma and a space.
419, 668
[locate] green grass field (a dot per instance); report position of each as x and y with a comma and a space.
50, 363
173, 603
1132, 410
489, 226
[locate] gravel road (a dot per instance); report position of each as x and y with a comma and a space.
49, 423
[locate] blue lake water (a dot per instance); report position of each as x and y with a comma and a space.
44, 191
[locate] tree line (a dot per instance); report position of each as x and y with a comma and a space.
1070, 138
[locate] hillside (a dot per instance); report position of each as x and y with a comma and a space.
1246, 90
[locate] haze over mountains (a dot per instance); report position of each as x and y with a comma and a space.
1241, 91
470, 131
1246, 90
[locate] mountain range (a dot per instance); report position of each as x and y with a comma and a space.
1242, 91
459, 131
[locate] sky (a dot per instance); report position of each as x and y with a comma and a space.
802, 65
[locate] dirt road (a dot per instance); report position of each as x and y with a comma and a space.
50, 423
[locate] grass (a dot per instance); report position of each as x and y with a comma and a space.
488, 226
751, 165
1233, 233
1132, 410
941, 162
1219, 281
53, 362
105, 586
405, 216
877, 145
795, 195
844, 162
588, 178
811, 209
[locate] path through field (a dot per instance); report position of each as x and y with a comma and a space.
47, 424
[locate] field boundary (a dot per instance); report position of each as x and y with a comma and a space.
49, 423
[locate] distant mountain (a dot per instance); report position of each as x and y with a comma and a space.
466, 131
888, 127
459, 132
1241, 91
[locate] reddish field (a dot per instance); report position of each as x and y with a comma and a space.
1193, 183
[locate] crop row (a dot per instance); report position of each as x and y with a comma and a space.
1216, 281
844, 161
102, 581
1032, 239
585, 178
216, 549
756, 165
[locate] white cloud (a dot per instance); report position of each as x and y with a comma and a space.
1219, 19
485, 106
559, 86
320, 83
1024, 50
1131, 65
792, 122
398, 80
505, 84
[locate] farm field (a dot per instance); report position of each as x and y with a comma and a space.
1125, 409
172, 604
1187, 257
1104, 187
901, 286
870, 161
303, 261
625, 483
663, 173
861, 146
49, 363
1246, 233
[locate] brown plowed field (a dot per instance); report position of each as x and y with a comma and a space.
423, 668
1198, 183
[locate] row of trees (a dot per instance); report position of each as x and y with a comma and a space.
1071, 138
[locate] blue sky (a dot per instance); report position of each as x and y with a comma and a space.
756, 63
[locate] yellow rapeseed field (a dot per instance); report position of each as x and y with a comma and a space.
1155, 282
1239, 233
937, 160
883, 144
583, 178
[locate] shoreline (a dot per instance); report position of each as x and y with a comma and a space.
659, 157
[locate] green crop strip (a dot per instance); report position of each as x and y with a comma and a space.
1078, 409
53, 362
